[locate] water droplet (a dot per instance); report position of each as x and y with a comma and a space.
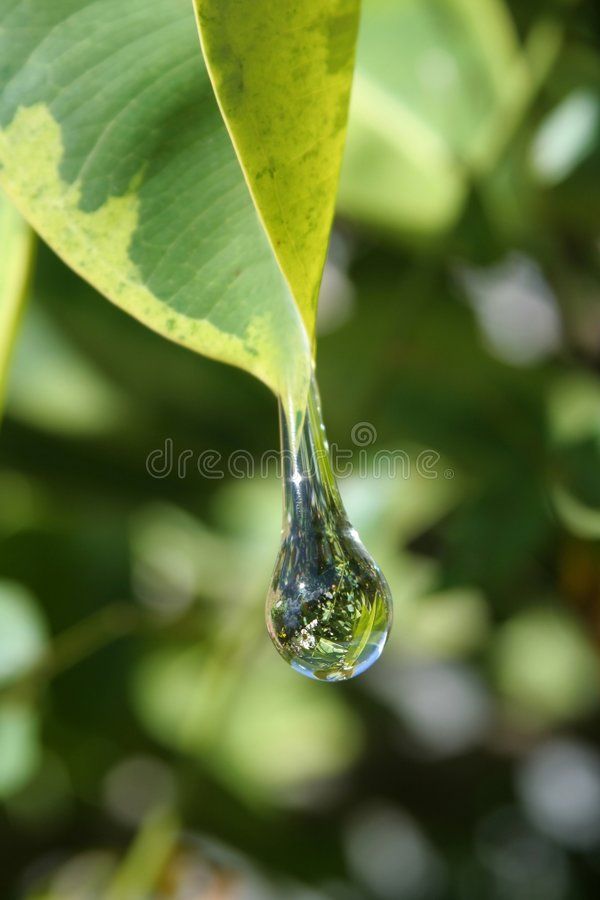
329, 608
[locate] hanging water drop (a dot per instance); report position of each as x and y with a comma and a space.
329, 608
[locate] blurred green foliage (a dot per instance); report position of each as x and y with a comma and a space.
152, 744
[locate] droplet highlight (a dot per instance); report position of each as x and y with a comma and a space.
329, 607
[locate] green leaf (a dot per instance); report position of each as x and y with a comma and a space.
282, 74
23, 633
545, 667
56, 388
19, 746
581, 520
16, 245
112, 145
261, 730
438, 82
146, 859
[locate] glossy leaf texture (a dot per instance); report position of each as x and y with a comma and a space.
282, 74
440, 86
16, 251
112, 145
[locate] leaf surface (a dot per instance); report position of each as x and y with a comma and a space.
112, 145
282, 73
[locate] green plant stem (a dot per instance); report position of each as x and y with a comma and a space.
138, 874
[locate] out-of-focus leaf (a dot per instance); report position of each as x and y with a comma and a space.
566, 136
282, 74
574, 408
447, 624
23, 634
177, 558
138, 874
16, 246
86, 873
439, 84
545, 668
54, 388
46, 797
391, 154
581, 520
574, 417
116, 151
19, 747
257, 726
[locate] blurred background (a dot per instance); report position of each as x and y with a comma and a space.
152, 743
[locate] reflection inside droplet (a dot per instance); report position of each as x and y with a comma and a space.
329, 608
